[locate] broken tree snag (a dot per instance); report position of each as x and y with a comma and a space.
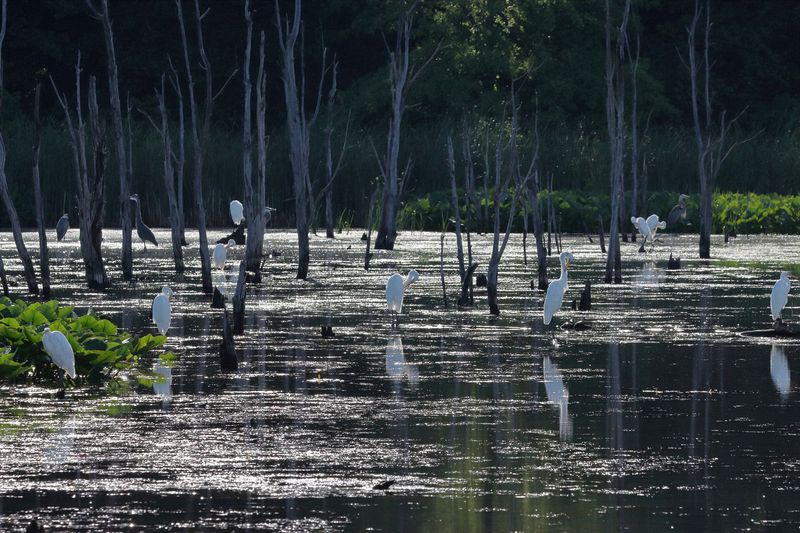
237, 235
331, 171
44, 259
367, 253
466, 286
253, 164
228, 359
3, 277
99, 9
239, 299
402, 75
454, 205
299, 126
218, 300
441, 268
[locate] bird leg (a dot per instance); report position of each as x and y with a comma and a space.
62, 392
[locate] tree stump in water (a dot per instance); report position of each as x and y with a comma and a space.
673, 263
480, 280
239, 299
238, 235
586, 297
228, 359
218, 301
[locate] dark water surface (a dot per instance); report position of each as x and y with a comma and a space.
660, 417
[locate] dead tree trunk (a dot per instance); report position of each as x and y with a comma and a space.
169, 178
331, 171
367, 254
451, 165
239, 299
27, 264
44, 259
89, 177
498, 244
201, 128
255, 194
615, 116
635, 137
712, 148
298, 126
179, 155
102, 14
401, 76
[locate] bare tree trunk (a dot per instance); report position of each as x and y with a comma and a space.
401, 75
239, 300
367, 254
331, 171
89, 177
255, 195
200, 133
3, 278
441, 268
635, 138
179, 156
451, 165
44, 259
27, 264
615, 115
104, 17
298, 126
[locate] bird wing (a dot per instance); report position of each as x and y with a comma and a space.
652, 223
162, 312
394, 293
779, 298
60, 351
553, 299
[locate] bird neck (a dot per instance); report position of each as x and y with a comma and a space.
138, 211
563, 270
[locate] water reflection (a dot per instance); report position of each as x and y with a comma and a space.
396, 366
558, 395
162, 386
649, 277
58, 448
779, 371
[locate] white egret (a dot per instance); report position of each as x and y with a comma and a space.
678, 212
655, 224
237, 212
162, 310
780, 296
557, 394
643, 227
142, 230
779, 371
60, 351
395, 288
221, 253
555, 291
62, 226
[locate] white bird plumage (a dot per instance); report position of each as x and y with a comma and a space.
640, 223
655, 224
60, 351
221, 253
555, 291
162, 310
237, 212
780, 295
395, 289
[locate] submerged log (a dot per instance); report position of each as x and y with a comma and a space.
782, 332
228, 359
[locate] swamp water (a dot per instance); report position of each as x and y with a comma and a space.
660, 417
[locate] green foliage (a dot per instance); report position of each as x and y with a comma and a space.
746, 213
102, 352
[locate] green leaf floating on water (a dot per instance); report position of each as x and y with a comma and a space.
102, 351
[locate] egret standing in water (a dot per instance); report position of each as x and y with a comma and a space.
555, 291
144, 232
237, 212
779, 297
162, 310
60, 351
678, 212
62, 226
221, 254
395, 288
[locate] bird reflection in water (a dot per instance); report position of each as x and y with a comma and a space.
779, 372
558, 395
162, 385
396, 366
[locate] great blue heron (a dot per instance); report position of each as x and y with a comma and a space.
162, 310
395, 289
144, 232
556, 289
62, 226
268, 214
678, 212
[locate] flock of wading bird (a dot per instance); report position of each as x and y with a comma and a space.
60, 351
